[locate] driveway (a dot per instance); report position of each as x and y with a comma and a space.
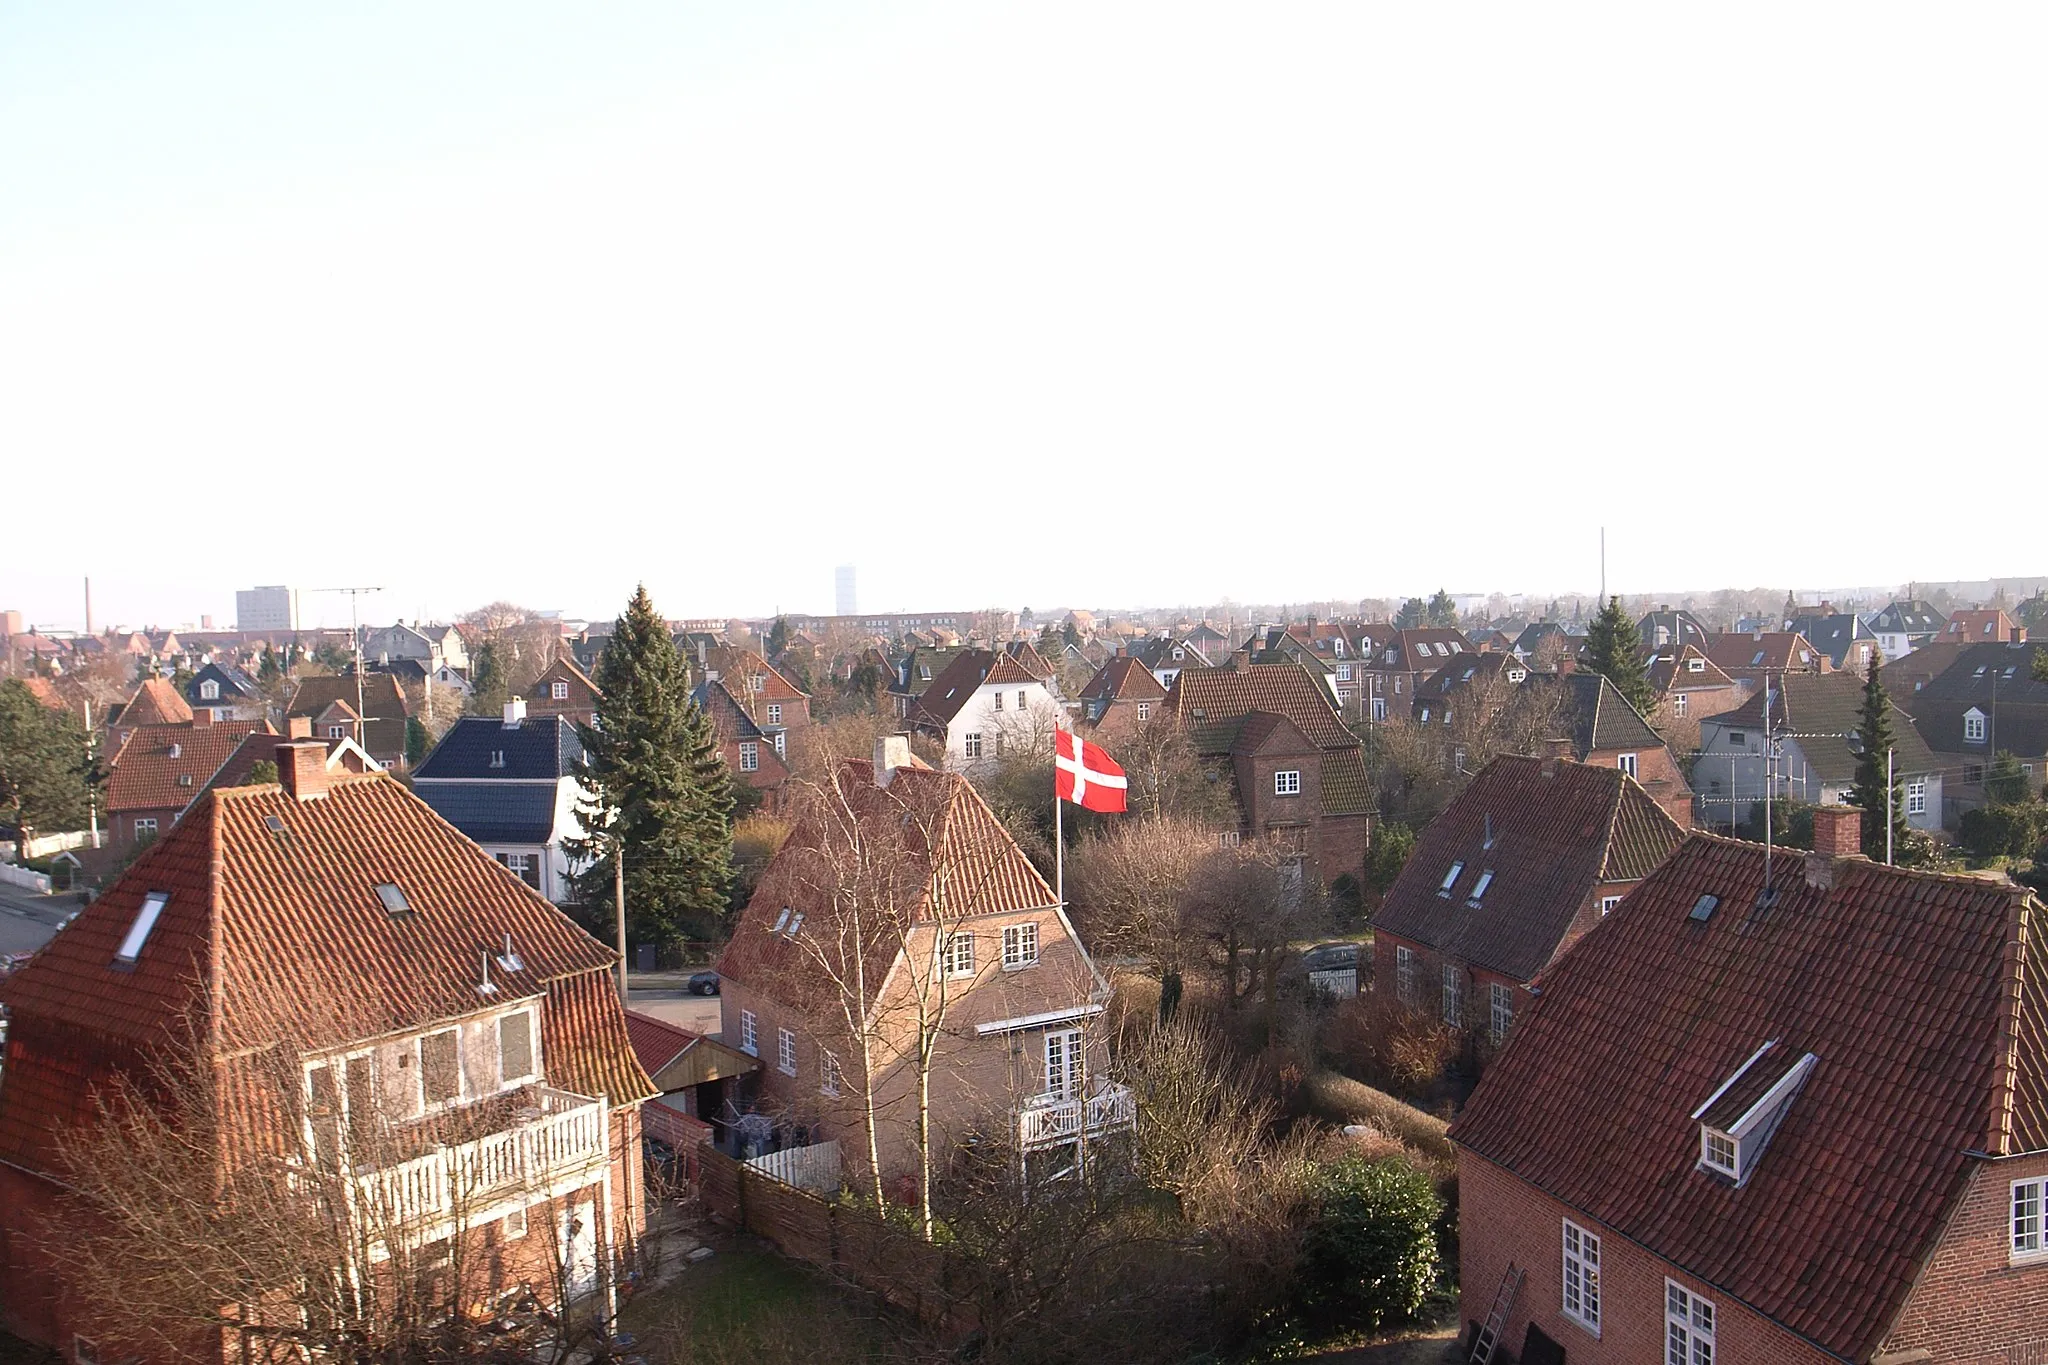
28, 921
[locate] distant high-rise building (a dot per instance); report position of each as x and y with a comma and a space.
842, 583
10, 623
272, 608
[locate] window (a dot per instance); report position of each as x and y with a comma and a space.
341, 732
956, 955
559, 691
1479, 889
2028, 1238
1627, 763
497, 755
525, 866
1501, 1010
145, 919
1144, 710
999, 701
1379, 708
828, 1074
750, 756
1287, 783
1404, 974
1020, 945
1688, 1327
1973, 726
759, 681
796, 922
780, 735
1738, 740
1063, 1062
1450, 879
441, 1067
1425, 715
515, 1048
1582, 1277
1916, 797
1607, 903
749, 1034
1454, 995
785, 1051
1020, 702
1678, 703
924, 672
1973, 773
1695, 665
971, 746
209, 690
512, 1226
775, 713
1717, 1151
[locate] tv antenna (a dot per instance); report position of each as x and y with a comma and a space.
355, 636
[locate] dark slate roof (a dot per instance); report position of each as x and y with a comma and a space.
540, 749
1821, 713
493, 812
1558, 829
234, 682
1983, 671
1908, 616
1921, 998
1832, 634
1602, 718
1681, 628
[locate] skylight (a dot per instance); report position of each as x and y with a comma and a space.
1703, 908
1479, 888
781, 921
138, 933
796, 922
1450, 879
395, 903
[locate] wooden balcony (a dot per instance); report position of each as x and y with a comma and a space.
556, 1137
1050, 1119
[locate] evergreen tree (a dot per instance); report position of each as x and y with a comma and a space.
1614, 650
1442, 611
1070, 633
778, 638
489, 689
1874, 740
658, 786
46, 771
2006, 784
1412, 614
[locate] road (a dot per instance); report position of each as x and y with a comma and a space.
697, 1013
28, 921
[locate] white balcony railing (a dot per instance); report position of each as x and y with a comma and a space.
1046, 1120
567, 1134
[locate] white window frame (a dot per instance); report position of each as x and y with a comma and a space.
209, 690
1607, 904
1287, 782
1500, 1010
829, 1074
1021, 706
775, 713
1678, 703
1627, 763
1720, 1152
2027, 1209
1580, 1298
532, 1048
1454, 995
341, 732
970, 744
559, 691
1688, 1326
999, 701
1063, 1062
1973, 728
750, 756
1916, 796
750, 1033
512, 1226
1020, 946
1379, 708
785, 1051
419, 1050
956, 955
1404, 974
1144, 710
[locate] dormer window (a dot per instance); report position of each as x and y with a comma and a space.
1737, 1121
209, 690
497, 758
1973, 726
1450, 879
1695, 665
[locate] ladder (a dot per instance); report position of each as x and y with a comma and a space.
1488, 1336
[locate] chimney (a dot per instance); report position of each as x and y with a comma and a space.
1838, 831
298, 727
515, 713
1240, 659
891, 752
302, 769
1555, 751
202, 716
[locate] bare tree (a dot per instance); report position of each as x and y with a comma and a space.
1247, 904
1130, 888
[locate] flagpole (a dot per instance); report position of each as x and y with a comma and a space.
1059, 837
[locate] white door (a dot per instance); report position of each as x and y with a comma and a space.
579, 1248
1063, 1062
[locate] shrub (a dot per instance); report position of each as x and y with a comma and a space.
1383, 1043
1344, 1102
2000, 831
1369, 1253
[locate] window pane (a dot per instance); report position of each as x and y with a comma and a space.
515, 1046
440, 1066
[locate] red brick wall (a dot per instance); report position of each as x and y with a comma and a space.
1972, 1304
1503, 1220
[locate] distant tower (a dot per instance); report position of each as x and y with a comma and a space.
842, 591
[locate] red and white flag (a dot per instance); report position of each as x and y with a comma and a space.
1085, 775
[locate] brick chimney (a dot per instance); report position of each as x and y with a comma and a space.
298, 727
202, 716
891, 753
302, 769
1240, 659
1838, 831
1556, 751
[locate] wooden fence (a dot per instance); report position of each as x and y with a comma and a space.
846, 1241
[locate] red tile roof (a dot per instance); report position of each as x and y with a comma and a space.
165, 766
268, 927
1921, 997
1558, 830
656, 1042
1123, 678
739, 667
1776, 650
156, 702
1209, 695
382, 697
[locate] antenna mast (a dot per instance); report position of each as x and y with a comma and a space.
355, 636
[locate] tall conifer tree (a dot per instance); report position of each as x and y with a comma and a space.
658, 784
1874, 739
1614, 649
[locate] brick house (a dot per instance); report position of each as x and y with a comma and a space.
1751, 656
1529, 857
1122, 695
1297, 774
564, 690
502, 1033
159, 770
377, 714
1389, 675
1985, 626
969, 922
154, 702
1807, 1126
1689, 687
750, 753
778, 707
1607, 732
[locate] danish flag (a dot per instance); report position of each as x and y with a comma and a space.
1085, 775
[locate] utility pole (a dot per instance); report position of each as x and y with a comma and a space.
619, 901
355, 635
1888, 807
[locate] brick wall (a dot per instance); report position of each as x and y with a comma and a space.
1503, 1220
1972, 1305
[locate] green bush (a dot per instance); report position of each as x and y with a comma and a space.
2001, 831
1369, 1253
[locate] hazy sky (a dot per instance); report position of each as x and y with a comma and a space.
1025, 304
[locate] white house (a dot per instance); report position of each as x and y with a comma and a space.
510, 785
984, 701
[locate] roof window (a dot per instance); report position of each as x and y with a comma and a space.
395, 903
1479, 889
1737, 1121
138, 933
781, 921
1450, 879
1703, 908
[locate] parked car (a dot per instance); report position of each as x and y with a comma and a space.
704, 983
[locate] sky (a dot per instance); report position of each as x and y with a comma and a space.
1032, 305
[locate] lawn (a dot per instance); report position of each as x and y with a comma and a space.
747, 1304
